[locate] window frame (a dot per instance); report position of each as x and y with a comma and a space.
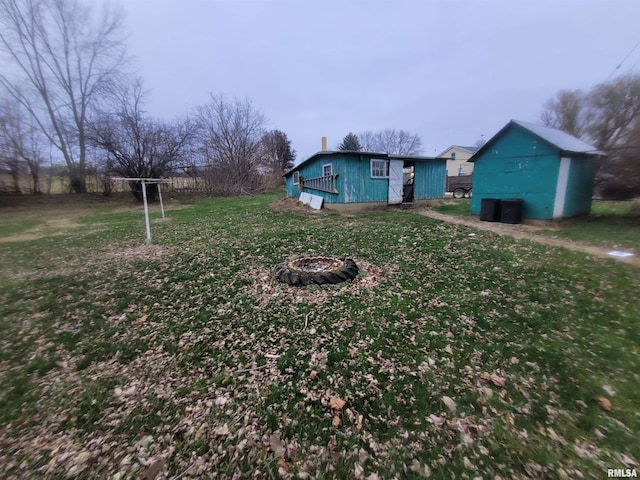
296, 178
384, 169
324, 169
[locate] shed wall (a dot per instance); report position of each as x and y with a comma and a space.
580, 187
518, 165
355, 184
429, 180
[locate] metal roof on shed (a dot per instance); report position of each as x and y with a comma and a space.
559, 139
413, 158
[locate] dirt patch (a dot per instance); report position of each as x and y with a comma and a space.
293, 205
52, 227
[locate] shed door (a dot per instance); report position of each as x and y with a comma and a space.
395, 181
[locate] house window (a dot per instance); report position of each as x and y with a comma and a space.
379, 168
327, 170
296, 178
453, 155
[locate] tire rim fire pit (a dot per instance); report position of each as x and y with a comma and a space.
311, 269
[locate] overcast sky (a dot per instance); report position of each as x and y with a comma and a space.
450, 71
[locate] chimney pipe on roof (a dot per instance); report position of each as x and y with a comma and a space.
324, 144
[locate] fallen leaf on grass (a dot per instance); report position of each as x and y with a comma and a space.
153, 470
449, 403
335, 421
282, 463
497, 380
509, 418
276, 445
435, 419
336, 403
221, 431
627, 460
605, 403
485, 395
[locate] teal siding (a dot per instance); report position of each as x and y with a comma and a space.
314, 170
518, 165
429, 180
580, 187
355, 184
291, 189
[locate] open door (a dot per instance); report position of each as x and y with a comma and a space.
395, 181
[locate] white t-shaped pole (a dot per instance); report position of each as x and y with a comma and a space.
146, 212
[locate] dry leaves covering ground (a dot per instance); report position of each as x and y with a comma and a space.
450, 354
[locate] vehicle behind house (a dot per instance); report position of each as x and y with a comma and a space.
460, 186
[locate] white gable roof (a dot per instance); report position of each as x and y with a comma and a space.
560, 139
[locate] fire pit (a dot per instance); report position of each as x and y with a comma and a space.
315, 269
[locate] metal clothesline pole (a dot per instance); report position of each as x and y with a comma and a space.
146, 213
145, 182
161, 205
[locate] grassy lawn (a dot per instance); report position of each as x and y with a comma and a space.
456, 355
614, 225
610, 224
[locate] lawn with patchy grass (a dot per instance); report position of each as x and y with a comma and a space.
451, 354
614, 225
610, 224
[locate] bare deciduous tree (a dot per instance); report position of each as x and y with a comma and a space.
613, 111
229, 135
399, 142
566, 112
139, 146
608, 116
21, 146
62, 58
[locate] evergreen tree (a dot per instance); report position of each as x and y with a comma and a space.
277, 152
350, 142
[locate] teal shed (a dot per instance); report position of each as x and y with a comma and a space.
551, 171
359, 179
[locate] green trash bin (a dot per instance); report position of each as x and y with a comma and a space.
511, 210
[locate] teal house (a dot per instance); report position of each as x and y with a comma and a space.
350, 178
551, 171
